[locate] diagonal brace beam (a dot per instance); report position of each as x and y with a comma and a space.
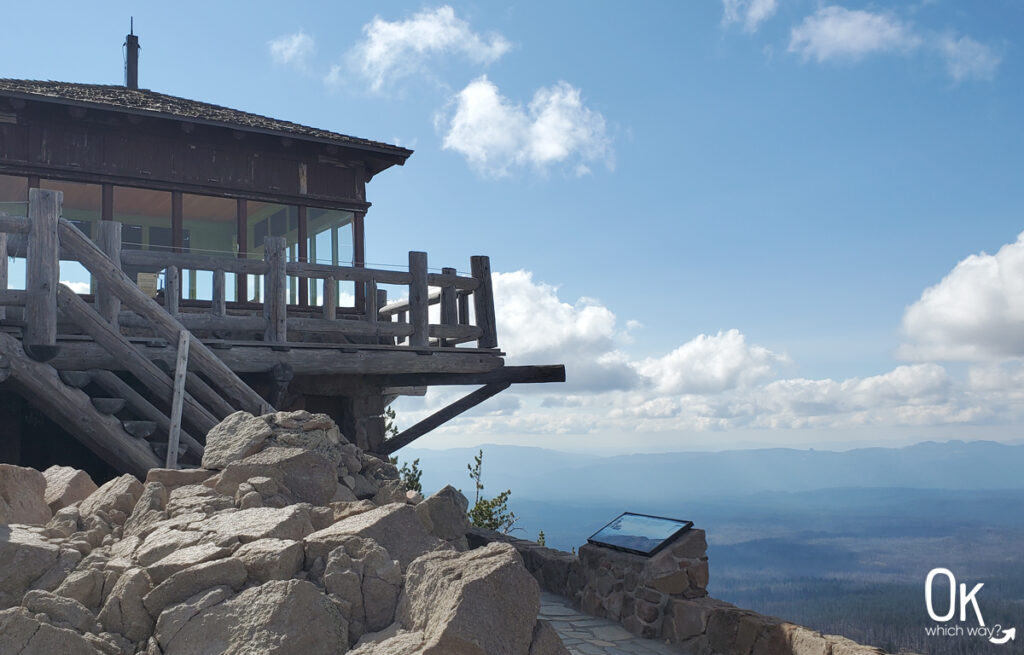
443, 415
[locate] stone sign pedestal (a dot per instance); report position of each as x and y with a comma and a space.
637, 591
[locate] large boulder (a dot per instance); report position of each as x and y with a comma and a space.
360, 572
22, 495
189, 582
236, 437
66, 485
292, 522
124, 611
119, 494
444, 516
22, 633
271, 559
24, 557
482, 602
310, 477
395, 527
276, 618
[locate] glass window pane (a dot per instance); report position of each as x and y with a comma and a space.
146, 215
14, 201
14, 195
330, 242
211, 228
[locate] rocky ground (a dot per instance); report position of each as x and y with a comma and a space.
289, 539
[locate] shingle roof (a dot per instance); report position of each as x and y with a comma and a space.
143, 101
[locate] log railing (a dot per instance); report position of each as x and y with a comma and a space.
45, 239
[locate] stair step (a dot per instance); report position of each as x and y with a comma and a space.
161, 449
108, 405
76, 379
139, 429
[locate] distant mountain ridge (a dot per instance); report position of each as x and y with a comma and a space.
541, 474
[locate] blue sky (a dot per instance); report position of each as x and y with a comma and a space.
738, 223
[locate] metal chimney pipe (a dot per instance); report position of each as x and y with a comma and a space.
131, 67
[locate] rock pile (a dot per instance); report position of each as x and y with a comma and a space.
289, 539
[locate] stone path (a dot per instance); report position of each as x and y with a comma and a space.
588, 635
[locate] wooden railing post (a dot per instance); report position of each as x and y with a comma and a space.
483, 301
109, 241
330, 298
3, 271
371, 301
172, 289
220, 299
42, 273
418, 299
275, 296
180, 371
449, 310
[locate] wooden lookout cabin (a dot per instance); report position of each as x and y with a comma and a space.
218, 264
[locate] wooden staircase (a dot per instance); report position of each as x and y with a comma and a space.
142, 416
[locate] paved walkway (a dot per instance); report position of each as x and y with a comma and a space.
588, 635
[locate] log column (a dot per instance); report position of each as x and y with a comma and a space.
42, 273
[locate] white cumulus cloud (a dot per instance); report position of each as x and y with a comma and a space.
975, 313
292, 49
751, 13
710, 364
838, 33
495, 134
77, 287
394, 49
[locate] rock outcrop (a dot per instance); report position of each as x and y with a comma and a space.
289, 540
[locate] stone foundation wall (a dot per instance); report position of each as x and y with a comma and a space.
665, 597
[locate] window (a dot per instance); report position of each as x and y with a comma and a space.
210, 228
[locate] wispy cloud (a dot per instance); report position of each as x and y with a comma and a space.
394, 49
495, 134
292, 49
838, 33
966, 58
749, 13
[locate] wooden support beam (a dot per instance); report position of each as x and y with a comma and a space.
330, 299
275, 297
148, 373
107, 202
449, 310
226, 381
510, 374
3, 271
14, 224
442, 416
303, 244
257, 357
220, 302
359, 255
42, 274
483, 302
180, 369
115, 385
177, 222
172, 289
371, 301
242, 235
72, 409
418, 301
109, 305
